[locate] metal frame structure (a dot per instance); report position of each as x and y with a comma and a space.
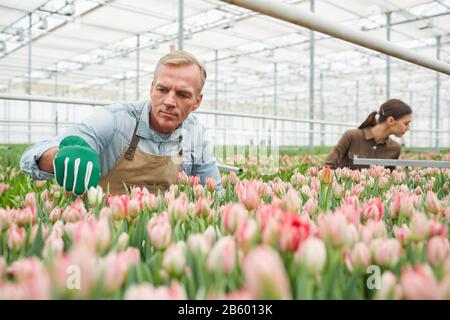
257, 65
402, 163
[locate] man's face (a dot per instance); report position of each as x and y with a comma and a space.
175, 93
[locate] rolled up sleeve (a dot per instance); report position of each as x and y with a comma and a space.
97, 130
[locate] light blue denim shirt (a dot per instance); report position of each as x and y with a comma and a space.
110, 129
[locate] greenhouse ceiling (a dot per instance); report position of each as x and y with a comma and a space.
88, 49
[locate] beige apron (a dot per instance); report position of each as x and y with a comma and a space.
138, 168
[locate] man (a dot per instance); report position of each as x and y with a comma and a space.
134, 144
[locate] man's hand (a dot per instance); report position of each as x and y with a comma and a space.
77, 165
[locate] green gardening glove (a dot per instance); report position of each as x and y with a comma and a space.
77, 165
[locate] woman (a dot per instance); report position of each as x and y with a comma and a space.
371, 139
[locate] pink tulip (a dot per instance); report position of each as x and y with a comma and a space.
122, 241
2, 268
270, 233
30, 201
210, 235
419, 283
183, 178
438, 229
74, 212
311, 206
202, 207
3, 187
194, 180
248, 195
292, 201
420, 227
134, 207
5, 219
338, 190
54, 247
386, 253
149, 202
360, 256
115, 267
95, 196
433, 203
159, 231
55, 214
199, 191
383, 182
222, 256
25, 217
119, 206
333, 228
174, 259
233, 215
402, 234
198, 243
388, 288
326, 175
438, 249
312, 254
298, 180
146, 291
16, 237
266, 280
178, 209
373, 209
351, 213
293, 231
232, 178
247, 234
377, 229
211, 184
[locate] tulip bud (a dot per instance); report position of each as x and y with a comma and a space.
247, 234
438, 250
387, 252
16, 238
198, 243
420, 227
222, 256
292, 201
433, 203
312, 254
95, 196
373, 209
133, 208
402, 234
122, 241
268, 280
159, 232
360, 256
388, 286
211, 184
178, 209
174, 259
327, 175
419, 283
233, 215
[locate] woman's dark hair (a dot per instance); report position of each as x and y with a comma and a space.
392, 108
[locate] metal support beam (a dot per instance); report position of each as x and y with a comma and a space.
357, 101
30, 22
438, 91
322, 112
138, 44
314, 22
216, 89
180, 24
431, 121
311, 80
401, 163
55, 108
388, 58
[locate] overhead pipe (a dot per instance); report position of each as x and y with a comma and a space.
315, 22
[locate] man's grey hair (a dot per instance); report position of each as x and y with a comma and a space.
180, 57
